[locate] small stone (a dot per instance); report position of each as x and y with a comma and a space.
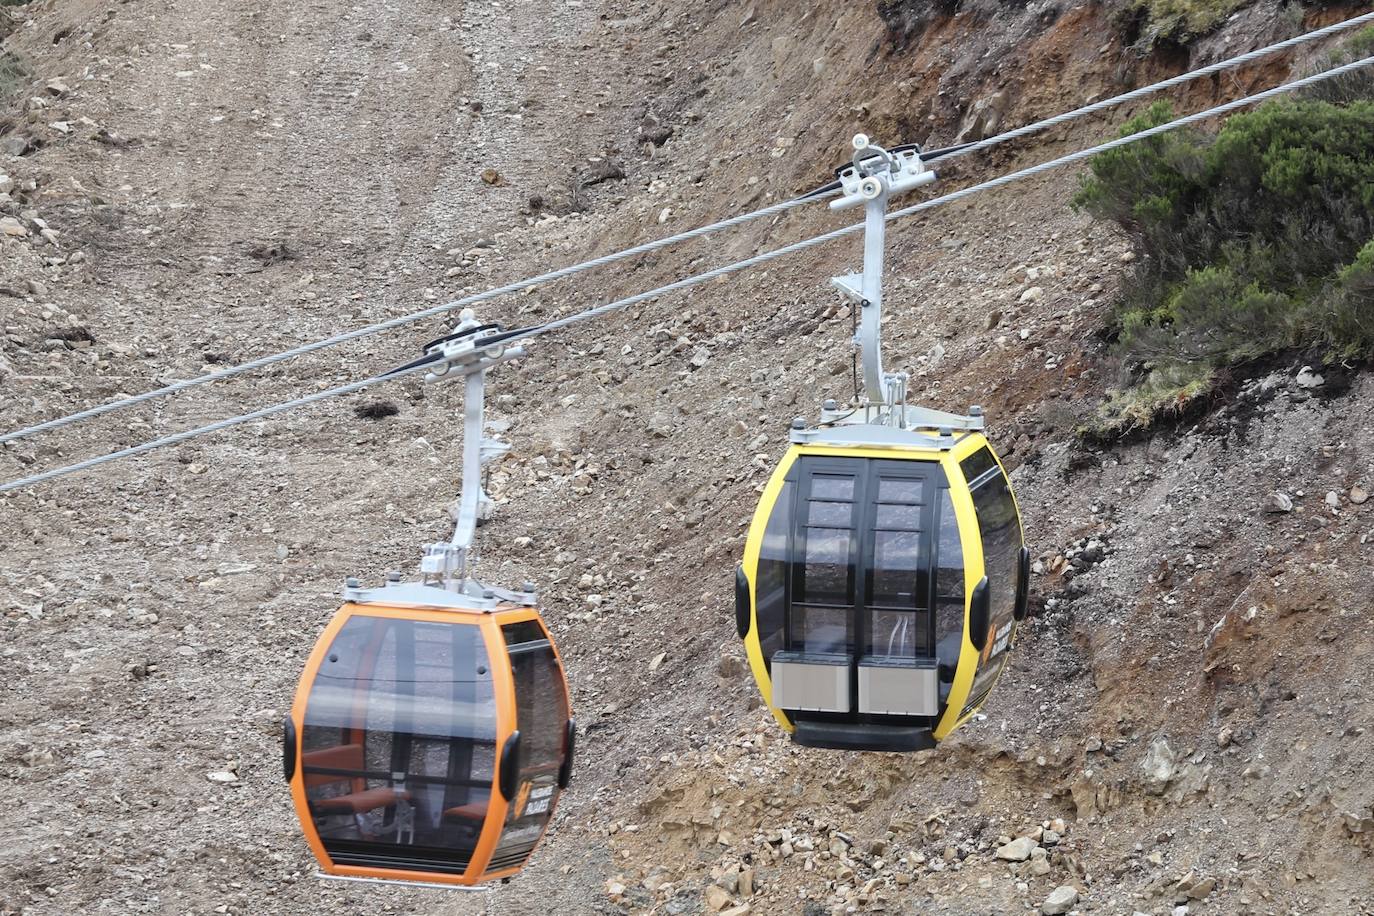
1359, 495
1018, 850
1200, 890
1333, 499
1050, 838
1308, 379
717, 898
1034, 294
1279, 503
224, 777
12, 227
15, 145
57, 87
1224, 736
657, 661
493, 178
746, 882
1158, 766
730, 666
1060, 901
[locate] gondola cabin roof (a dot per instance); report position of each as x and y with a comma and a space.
919, 428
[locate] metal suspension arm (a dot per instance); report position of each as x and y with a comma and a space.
875, 175
463, 352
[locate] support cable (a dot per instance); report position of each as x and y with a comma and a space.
514, 337
402, 320
939, 156
1137, 94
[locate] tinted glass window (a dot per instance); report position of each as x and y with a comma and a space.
949, 588
827, 547
1000, 529
542, 718
821, 629
770, 584
541, 703
977, 464
833, 486
898, 593
398, 743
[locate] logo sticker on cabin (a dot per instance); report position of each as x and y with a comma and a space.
538, 800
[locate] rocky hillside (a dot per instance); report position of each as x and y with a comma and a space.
190, 185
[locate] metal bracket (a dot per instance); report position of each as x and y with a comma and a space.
874, 176
469, 351
463, 353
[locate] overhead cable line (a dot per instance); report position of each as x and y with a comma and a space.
402, 320
1137, 94
178, 438
935, 156
516, 336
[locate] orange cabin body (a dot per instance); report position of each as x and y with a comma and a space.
429, 743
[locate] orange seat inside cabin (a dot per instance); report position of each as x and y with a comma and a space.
344, 757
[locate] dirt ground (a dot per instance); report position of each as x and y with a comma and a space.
1185, 721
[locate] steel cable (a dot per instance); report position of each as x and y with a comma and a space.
185, 384
558, 324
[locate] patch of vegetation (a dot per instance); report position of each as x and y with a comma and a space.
1349, 87
1179, 21
1254, 240
11, 75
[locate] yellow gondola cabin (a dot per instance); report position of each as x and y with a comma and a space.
883, 577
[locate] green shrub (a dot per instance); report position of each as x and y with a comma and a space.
1346, 322
1254, 240
1181, 21
1170, 390
1349, 87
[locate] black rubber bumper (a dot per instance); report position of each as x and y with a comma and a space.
845, 737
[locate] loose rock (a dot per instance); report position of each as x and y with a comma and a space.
1279, 503
1060, 900
1018, 850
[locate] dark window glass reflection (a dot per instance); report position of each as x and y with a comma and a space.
949, 588
400, 730
770, 587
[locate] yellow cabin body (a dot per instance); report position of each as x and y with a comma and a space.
882, 581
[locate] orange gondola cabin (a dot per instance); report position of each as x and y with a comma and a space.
430, 736
431, 733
